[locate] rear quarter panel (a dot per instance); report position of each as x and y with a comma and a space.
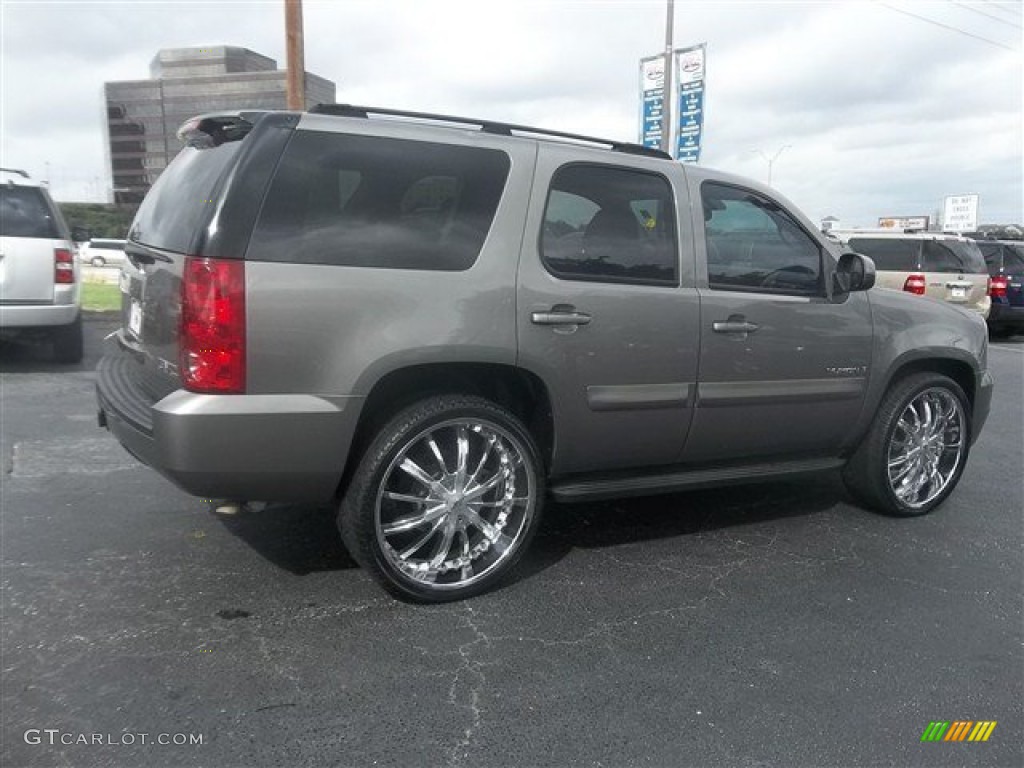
357, 324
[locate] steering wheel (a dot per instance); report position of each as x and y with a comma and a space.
777, 278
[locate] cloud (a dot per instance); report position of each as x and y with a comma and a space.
883, 113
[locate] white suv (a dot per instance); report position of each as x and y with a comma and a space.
39, 281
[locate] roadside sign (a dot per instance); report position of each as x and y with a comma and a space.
960, 213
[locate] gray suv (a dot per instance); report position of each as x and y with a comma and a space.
438, 323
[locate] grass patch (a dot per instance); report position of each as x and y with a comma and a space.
99, 297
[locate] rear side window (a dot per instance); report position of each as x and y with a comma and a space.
1013, 263
24, 212
369, 201
953, 256
889, 254
182, 199
610, 225
993, 254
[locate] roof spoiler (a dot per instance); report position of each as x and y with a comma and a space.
214, 129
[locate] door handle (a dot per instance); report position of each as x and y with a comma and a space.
735, 325
559, 316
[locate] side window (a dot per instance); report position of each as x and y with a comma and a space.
610, 225
754, 245
890, 254
371, 201
1014, 261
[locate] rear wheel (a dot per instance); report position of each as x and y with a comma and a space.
915, 452
68, 345
445, 499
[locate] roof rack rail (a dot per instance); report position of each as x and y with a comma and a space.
487, 126
14, 170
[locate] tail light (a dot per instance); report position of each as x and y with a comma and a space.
63, 266
915, 284
997, 286
212, 334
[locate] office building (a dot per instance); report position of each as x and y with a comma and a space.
143, 116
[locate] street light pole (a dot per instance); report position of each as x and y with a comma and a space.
771, 160
666, 101
296, 65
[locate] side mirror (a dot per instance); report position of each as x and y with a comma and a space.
855, 272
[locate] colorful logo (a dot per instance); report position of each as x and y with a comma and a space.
958, 730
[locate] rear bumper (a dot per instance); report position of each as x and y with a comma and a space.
37, 315
244, 447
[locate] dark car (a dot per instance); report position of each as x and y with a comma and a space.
1005, 262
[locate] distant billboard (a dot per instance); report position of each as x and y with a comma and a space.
687, 105
960, 213
652, 100
905, 222
690, 65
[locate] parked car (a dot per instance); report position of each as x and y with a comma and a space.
102, 252
39, 284
1005, 262
941, 266
438, 322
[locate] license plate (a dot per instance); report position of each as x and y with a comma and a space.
959, 292
135, 318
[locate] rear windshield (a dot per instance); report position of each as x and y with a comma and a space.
953, 256
24, 212
889, 254
379, 202
180, 201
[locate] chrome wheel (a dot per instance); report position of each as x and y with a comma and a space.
926, 447
454, 503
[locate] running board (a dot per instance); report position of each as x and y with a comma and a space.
573, 490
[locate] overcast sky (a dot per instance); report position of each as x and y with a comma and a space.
883, 113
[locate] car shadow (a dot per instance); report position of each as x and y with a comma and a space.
35, 355
599, 525
302, 538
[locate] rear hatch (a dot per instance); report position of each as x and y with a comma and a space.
955, 272
31, 230
200, 212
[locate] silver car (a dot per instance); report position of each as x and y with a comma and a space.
439, 323
39, 281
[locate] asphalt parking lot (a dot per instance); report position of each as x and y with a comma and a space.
771, 625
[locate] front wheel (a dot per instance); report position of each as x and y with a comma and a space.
917, 447
445, 499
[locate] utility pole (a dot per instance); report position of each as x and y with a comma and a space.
771, 160
296, 65
666, 101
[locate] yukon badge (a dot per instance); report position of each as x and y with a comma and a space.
847, 370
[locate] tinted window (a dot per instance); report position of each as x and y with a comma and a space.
379, 202
953, 256
180, 201
753, 244
1013, 262
25, 213
993, 254
610, 225
889, 254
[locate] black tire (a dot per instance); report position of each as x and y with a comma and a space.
68, 344
906, 489
424, 465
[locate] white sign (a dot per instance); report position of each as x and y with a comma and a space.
960, 213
